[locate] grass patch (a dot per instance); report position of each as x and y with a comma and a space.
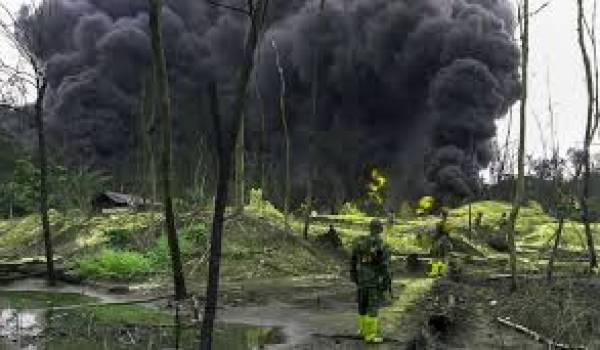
128, 314
37, 300
115, 264
191, 238
408, 296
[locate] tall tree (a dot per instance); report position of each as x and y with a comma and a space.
262, 146
225, 144
585, 192
520, 184
286, 134
316, 64
30, 43
146, 121
162, 85
240, 147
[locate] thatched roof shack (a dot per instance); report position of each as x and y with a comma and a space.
114, 200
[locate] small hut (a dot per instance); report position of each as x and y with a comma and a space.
113, 200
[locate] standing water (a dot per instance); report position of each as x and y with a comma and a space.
35, 321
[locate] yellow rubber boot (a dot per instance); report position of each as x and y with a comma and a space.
371, 331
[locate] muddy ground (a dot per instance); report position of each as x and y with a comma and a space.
319, 312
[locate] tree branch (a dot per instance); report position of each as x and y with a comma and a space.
540, 9
229, 7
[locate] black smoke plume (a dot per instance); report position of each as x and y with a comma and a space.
414, 87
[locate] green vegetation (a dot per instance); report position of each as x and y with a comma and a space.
351, 210
191, 239
128, 259
70, 188
128, 314
410, 292
113, 264
130, 245
260, 206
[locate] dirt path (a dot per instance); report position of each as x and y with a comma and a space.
319, 313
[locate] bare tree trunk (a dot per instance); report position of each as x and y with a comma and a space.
146, 121
217, 226
309, 195
309, 178
225, 144
559, 230
262, 147
239, 170
520, 185
470, 219
160, 69
585, 193
282, 111
41, 85
315, 93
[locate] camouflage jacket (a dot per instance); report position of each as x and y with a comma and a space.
442, 244
442, 247
370, 266
442, 228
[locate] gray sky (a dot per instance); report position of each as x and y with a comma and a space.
555, 62
556, 70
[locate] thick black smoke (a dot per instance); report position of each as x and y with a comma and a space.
411, 86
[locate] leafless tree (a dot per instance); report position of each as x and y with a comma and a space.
31, 45
226, 139
284, 122
520, 184
591, 124
162, 85
316, 66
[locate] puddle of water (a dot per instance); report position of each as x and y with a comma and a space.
25, 324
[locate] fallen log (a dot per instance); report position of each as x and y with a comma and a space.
538, 337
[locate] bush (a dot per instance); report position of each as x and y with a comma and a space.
190, 238
119, 237
114, 264
351, 209
263, 206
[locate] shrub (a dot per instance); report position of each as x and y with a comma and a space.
190, 238
115, 264
351, 209
259, 204
119, 237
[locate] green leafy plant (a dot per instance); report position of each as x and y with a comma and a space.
119, 237
351, 209
189, 239
68, 189
263, 206
115, 264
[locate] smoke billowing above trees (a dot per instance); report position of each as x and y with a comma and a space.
414, 87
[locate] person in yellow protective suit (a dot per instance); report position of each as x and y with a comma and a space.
371, 272
425, 205
441, 247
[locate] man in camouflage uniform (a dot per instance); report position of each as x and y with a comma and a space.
370, 271
441, 247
